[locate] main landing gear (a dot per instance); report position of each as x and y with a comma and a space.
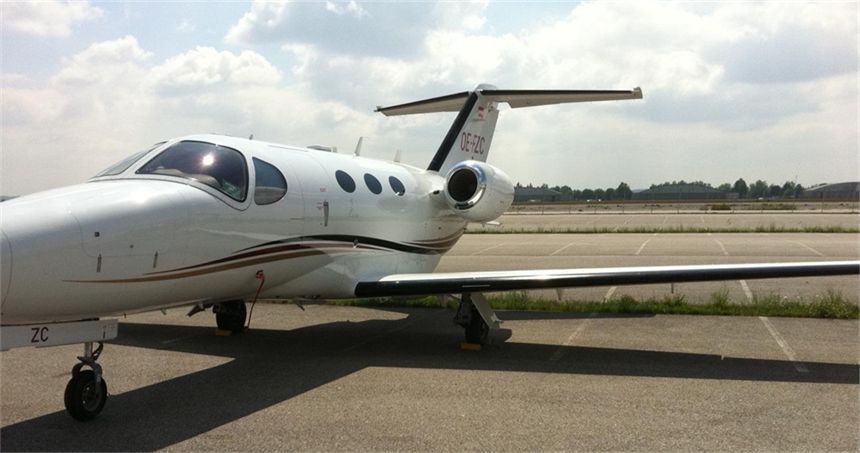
86, 393
231, 315
476, 317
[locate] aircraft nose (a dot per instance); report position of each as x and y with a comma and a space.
5, 266
42, 237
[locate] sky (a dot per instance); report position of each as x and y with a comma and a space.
759, 90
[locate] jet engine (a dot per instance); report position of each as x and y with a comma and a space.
477, 191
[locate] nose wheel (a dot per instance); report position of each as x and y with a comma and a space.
86, 393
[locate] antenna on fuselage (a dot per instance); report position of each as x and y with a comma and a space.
358, 146
251, 137
397, 156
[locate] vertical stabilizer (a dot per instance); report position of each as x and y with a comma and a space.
470, 135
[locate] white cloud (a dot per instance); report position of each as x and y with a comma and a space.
111, 99
204, 67
469, 16
351, 28
47, 18
710, 112
352, 8
103, 62
263, 19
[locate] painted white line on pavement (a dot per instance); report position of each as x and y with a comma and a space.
807, 247
487, 249
562, 249
559, 353
722, 247
609, 293
746, 289
800, 367
641, 247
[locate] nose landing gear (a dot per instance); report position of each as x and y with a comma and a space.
86, 393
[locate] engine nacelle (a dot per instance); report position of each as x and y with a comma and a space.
477, 191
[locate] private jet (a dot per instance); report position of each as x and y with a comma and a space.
213, 222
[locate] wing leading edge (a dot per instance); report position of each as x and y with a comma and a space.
468, 282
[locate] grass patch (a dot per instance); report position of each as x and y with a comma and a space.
831, 305
777, 207
717, 207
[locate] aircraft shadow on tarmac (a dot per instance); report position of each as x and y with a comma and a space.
272, 366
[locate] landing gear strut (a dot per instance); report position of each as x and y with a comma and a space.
231, 315
475, 315
86, 393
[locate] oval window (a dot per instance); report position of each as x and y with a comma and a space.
270, 183
372, 183
346, 182
396, 186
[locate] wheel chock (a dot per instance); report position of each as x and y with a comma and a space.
223, 333
470, 346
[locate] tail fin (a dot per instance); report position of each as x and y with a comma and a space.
471, 133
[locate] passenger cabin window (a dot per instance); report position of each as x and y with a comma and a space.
345, 181
372, 183
124, 164
270, 185
217, 166
396, 185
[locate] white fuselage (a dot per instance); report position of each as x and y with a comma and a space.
135, 242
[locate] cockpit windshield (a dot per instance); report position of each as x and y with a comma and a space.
124, 164
216, 166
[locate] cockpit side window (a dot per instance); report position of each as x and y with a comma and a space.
216, 166
270, 185
124, 164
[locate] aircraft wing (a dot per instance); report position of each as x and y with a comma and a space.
468, 282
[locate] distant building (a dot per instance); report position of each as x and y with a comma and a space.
683, 192
838, 191
535, 194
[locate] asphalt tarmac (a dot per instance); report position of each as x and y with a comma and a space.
481, 252
342, 378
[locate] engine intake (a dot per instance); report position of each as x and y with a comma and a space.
477, 191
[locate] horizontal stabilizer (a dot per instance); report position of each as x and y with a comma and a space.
515, 98
530, 98
450, 103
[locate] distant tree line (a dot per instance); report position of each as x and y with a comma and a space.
756, 190
622, 192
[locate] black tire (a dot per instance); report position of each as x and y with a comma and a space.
84, 399
231, 316
477, 330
